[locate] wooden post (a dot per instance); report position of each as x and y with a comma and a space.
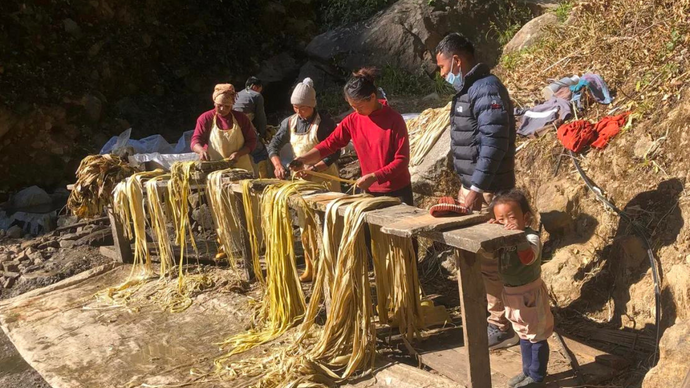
123, 249
472, 300
247, 253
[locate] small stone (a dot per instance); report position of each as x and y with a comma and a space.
28, 244
31, 268
5, 256
49, 244
10, 266
67, 243
7, 283
15, 232
71, 27
11, 275
38, 262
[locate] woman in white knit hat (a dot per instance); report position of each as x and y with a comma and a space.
304, 130
223, 133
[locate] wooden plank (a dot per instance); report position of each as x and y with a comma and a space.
591, 354
487, 237
321, 200
247, 254
121, 242
472, 297
425, 222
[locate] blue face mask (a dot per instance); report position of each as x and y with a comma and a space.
455, 80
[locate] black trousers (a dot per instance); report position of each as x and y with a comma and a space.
404, 195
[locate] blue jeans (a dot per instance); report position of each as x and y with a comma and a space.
535, 358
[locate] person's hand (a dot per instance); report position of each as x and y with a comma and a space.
493, 221
307, 167
473, 200
296, 164
280, 172
233, 157
366, 181
203, 155
510, 226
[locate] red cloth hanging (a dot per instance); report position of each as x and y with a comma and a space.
576, 135
607, 128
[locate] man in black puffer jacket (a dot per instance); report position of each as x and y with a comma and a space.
483, 145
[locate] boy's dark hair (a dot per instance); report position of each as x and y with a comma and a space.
361, 85
513, 195
253, 81
455, 44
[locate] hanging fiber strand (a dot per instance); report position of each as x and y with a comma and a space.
397, 282
283, 301
346, 344
158, 207
225, 212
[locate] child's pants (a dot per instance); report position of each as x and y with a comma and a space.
535, 358
527, 308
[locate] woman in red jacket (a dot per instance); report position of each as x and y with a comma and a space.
380, 138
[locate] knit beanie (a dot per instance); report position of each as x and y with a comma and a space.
224, 94
304, 94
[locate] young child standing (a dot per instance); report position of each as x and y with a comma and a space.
525, 296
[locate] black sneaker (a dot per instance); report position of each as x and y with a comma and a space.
512, 383
530, 383
501, 339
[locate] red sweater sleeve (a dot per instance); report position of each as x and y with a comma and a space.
335, 141
202, 131
247, 130
401, 158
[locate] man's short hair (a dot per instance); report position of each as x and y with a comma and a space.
455, 44
253, 81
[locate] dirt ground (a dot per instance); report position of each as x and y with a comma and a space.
14, 371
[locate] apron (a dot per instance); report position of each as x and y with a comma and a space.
222, 143
303, 142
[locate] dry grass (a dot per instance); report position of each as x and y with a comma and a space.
639, 47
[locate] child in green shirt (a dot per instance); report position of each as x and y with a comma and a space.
524, 294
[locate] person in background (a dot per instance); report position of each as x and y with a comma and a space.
303, 131
524, 292
483, 146
250, 102
379, 136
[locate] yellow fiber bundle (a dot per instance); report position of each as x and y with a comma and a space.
158, 207
224, 210
283, 302
128, 205
251, 217
425, 130
179, 189
346, 344
397, 282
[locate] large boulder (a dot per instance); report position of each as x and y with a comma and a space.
278, 68
530, 33
674, 353
405, 35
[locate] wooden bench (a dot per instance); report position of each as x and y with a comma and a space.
469, 235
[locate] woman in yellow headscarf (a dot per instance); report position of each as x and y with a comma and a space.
223, 133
